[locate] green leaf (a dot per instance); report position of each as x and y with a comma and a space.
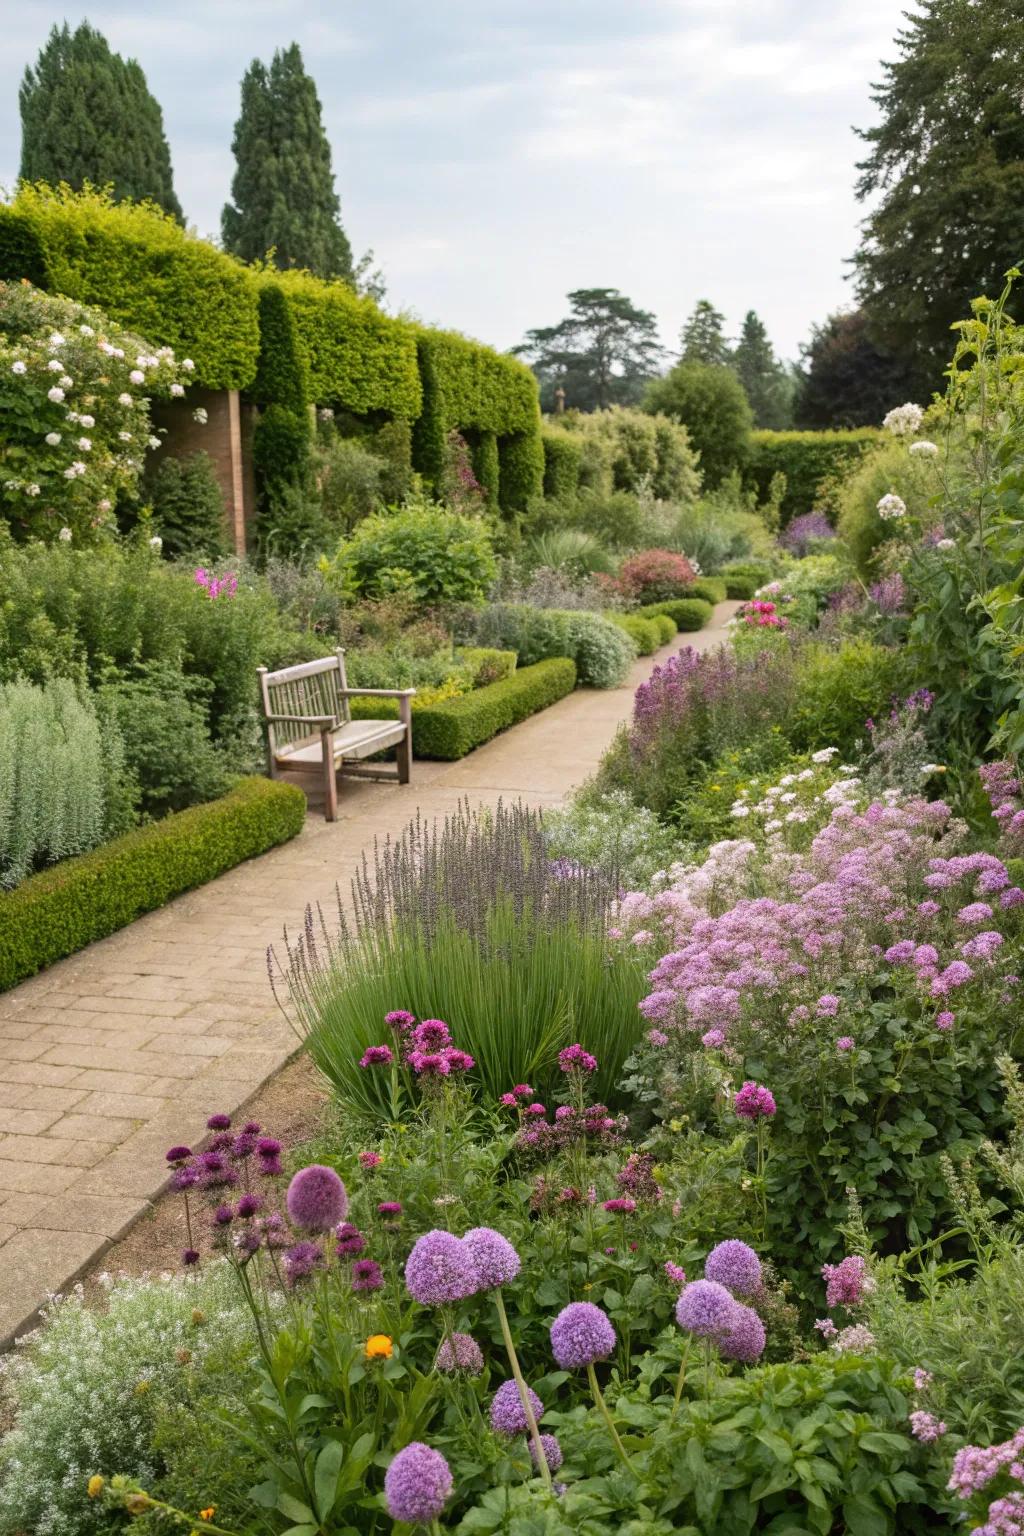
326, 1475
295, 1509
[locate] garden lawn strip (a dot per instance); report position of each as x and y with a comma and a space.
117, 1052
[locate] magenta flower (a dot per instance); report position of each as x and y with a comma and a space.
300, 1260
417, 1484
535, 1109
846, 1282
219, 1123
575, 1059
350, 1241
440, 1269
389, 1208
178, 1154
754, 1102
369, 1160
367, 1275
508, 1101
377, 1056
316, 1199
675, 1272
945, 1020
429, 1064
431, 1036
495, 1259
523, 1091
620, 1206
249, 1206
458, 1061
400, 1020
581, 1335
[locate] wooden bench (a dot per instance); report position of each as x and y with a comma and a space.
310, 727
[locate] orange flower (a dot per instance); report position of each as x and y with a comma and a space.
379, 1347
208, 1514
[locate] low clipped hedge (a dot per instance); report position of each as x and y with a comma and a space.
450, 728
710, 588
687, 613
740, 588
59, 911
643, 629
667, 627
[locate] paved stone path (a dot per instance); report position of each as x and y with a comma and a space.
112, 1055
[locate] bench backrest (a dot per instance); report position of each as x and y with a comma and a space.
311, 688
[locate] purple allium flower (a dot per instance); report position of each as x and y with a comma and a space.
575, 1059
399, 1019
581, 1334
367, 1275
178, 1154
377, 1056
621, 1206
219, 1123
430, 1036
251, 1128
350, 1241
508, 1416
847, 1282
316, 1199
736, 1266
189, 1257
494, 1257
551, 1450
827, 1006
268, 1146
215, 1172
440, 1269
389, 1208
185, 1178
417, 1484
754, 1102
249, 1205
458, 1061
675, 1272
845, 1043
460, 1352
300, 1260
243, 1147
369, 1160
744, 1339
706, 1309
945, 1020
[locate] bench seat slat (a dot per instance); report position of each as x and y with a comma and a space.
359, 738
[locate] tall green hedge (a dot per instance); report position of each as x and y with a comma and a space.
282, 369
21, 250
486, 464
359, 358
137, 264
521, 458
807, 459
562, 454
83, 899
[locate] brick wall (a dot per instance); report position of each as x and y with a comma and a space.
227, 438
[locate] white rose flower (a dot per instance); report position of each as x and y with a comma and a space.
19, 367
923, 449
87, 421
32, 490
891, 506
904, 420
177, 390
53, 438
156, 542
55, 365
55, 394
73, 417
65, 535
65, 382
85, 443
141, 361
946, 544
124, 399
137, 376
187, 362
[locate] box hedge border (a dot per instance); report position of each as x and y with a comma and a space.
63, 909
687, 613
451, 728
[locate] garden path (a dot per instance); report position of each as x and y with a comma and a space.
112, 1055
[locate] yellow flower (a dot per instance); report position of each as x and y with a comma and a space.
96, 1486
379, 1347
141, 1388
588, 1286
208, 1514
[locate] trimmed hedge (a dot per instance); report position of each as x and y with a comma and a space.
740, 588
522, 470
21, 251
452, 727
807, 459
487, 465
687, 613
140, 267
58, 912
282, 370
562, 455
667, 627
643, 628
710, 588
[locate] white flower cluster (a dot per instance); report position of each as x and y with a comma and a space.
904, 420
891, 506
800, 801
923, 449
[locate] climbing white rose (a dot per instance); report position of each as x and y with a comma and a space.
19, 367
55, 394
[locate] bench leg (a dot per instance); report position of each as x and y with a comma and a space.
403, 752
330, 777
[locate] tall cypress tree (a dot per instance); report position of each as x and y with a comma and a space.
88, 115
283, 188
768, 385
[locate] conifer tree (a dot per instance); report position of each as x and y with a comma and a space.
283, 189
87, 115
768, 385
703, 336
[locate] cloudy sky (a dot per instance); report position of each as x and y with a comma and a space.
496, 153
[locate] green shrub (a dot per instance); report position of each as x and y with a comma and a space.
434, 555
282, 369
162, 718
521, 458
616, 518
487, 664
568, 549
60, 774
627, 449
710, 588
667, 627
710, 402
687, 613
887, 467
148, 273
809, 460
61, 910
21, 251
188, 507
740, 587
839, 689
561, 465
486, 465
352, 480
644, 631
601, 650
450, 728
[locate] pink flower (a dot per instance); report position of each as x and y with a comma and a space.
754, 1102
827, 1006
845, 1043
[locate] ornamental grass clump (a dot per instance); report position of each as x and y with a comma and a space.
467, 920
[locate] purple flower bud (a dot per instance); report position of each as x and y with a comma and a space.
219, 1123
367, 1275
508, 1417
317, 1199
249, 1205
460, 1352
417, 1484
350, 1241
581, 1334
179, 1154
190, 1256
300, 1260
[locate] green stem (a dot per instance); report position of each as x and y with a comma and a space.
524, 1395
680, 1379
603, 1406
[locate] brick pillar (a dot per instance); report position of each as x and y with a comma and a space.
223, 438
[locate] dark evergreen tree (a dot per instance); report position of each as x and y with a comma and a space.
846, 380
945, 173
88, 115
283, 188
703, 336
603, 352
767, 381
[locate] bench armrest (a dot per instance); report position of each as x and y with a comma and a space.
378, 693
320, 720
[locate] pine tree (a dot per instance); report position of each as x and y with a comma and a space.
601, 354
283, 188
88, 115
703, 336
768, 384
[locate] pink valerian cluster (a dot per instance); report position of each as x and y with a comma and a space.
575, 1059
1006, 797
424, 1048
985, 1470
761, 613
847, 1283
540, 1139
754, 1102
216, 586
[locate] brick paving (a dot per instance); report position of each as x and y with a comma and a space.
110, 1056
